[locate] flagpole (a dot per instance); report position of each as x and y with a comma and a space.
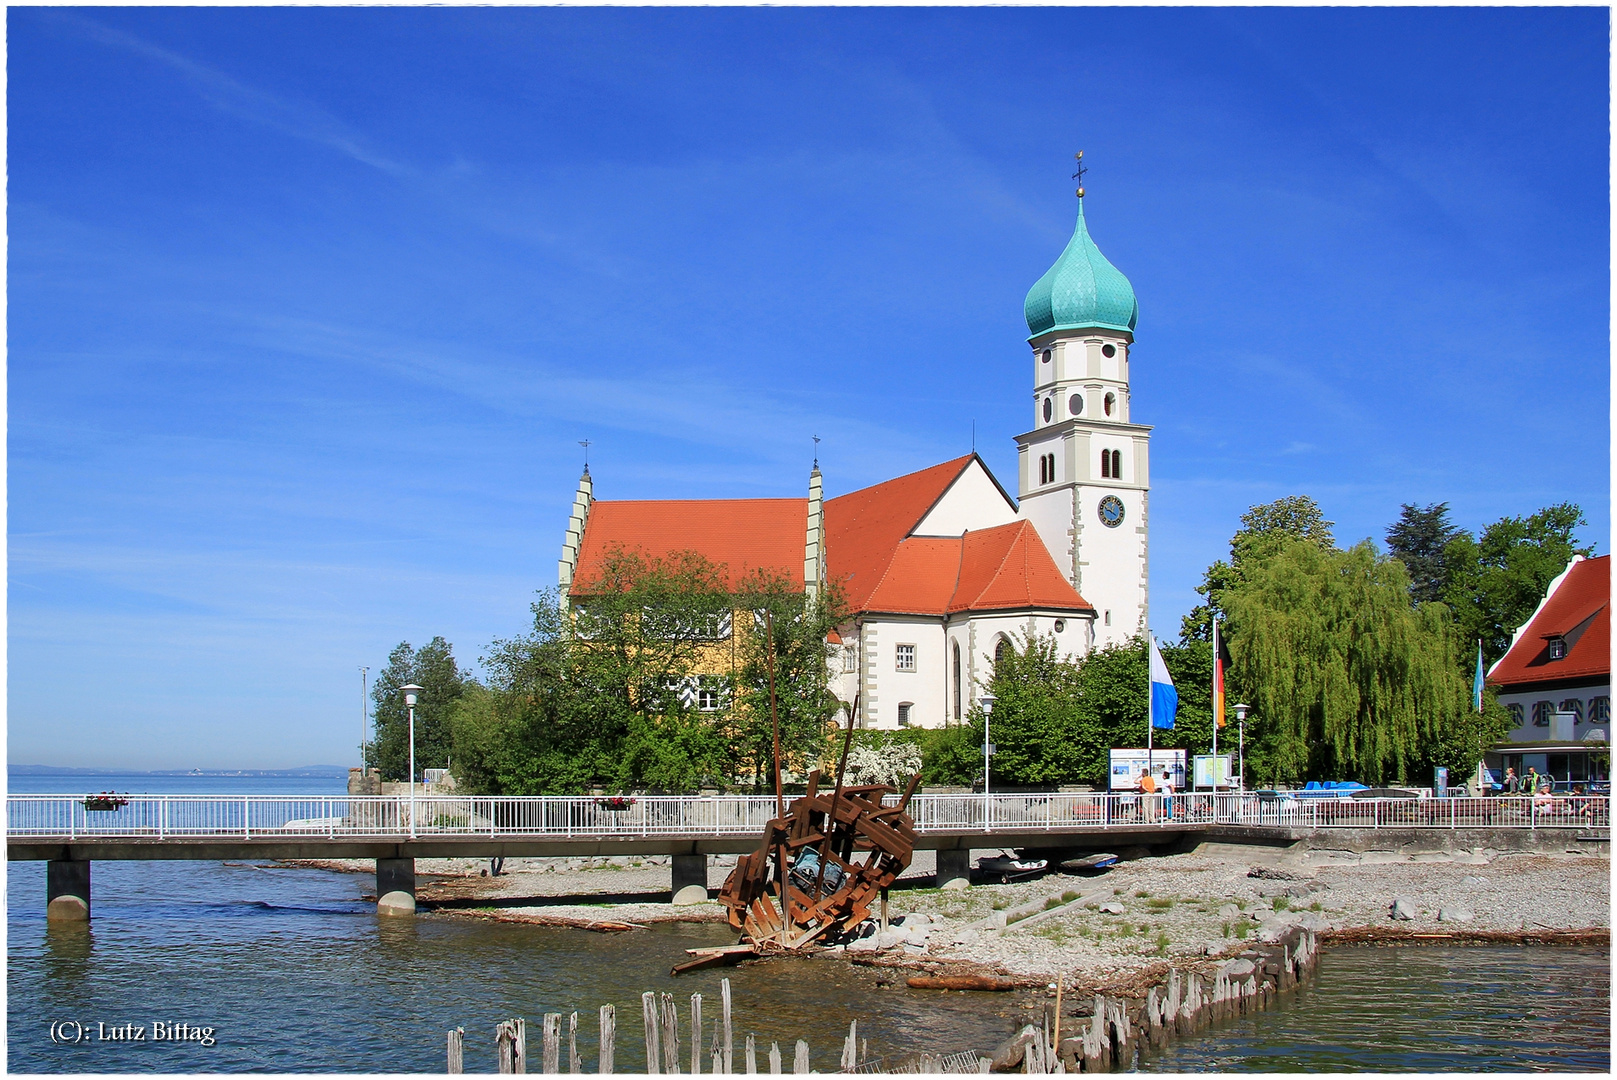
1150, 714
1217, 709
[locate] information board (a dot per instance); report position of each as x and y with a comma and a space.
1127, 765
1211, 772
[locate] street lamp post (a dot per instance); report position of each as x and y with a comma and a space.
988, 752
410, 691
1240, 718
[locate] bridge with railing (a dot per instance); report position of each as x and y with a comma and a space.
71, 831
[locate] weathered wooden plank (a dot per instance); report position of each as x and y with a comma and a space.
609, 1035
456, 1041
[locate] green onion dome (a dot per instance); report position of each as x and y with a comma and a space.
1082, 291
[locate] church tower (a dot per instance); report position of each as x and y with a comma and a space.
1084, 469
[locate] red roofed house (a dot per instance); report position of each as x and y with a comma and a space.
1556, 680
942, 567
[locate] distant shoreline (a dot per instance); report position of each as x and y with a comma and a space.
339, 771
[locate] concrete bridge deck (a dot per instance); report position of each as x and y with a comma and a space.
70, 832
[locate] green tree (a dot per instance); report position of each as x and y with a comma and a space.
1419, 539
1264, 530
1039, 735
1348, 678
801, 655
605, 692
1497, 581
432, 667
1056, 720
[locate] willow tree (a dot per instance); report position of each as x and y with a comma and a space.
1348, 678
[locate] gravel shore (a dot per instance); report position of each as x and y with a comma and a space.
1108, 929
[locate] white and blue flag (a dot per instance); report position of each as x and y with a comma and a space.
1164, 698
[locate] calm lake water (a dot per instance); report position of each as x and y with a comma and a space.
295, 973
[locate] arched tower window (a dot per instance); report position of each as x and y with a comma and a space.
1106, 464
1111, 399
1117, 464
957, 680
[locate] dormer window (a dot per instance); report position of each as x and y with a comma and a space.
1558, 648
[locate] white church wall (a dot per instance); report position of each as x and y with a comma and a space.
973, 501
920, 686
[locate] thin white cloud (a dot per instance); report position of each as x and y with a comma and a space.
300, 120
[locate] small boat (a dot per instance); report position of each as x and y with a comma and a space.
1084, 864
1008, 868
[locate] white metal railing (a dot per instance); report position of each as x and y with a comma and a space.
334, 817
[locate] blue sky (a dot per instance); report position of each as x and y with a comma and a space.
308, 309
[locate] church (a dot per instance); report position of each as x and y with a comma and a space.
942, 569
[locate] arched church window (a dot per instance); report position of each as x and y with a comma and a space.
1108, 351
1049, 410
1075, 404
999, 650
957, 680
1111, 399
1106, 464
1117, 464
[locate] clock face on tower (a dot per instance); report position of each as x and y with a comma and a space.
1111, 511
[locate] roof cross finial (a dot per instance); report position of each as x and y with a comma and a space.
585, 443
816, 451
1079, 175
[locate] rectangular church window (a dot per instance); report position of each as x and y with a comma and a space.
905, 660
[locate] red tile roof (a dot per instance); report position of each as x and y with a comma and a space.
1005, 568
743, 534
868, 547
864, 528
1577, 608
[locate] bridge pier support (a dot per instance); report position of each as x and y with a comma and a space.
954, 868
395, 886
67, 890
690, 879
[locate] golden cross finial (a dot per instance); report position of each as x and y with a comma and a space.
1079, 175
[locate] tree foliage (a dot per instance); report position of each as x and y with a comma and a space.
1349, 679
433, 668
1264, 530
1495, 581
1419, 539
801, 654
1055, 720
657, 681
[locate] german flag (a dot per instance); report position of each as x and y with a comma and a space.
1221, 665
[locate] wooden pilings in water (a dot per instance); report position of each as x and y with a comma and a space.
1118, 1029
712, 1039
511, 1045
